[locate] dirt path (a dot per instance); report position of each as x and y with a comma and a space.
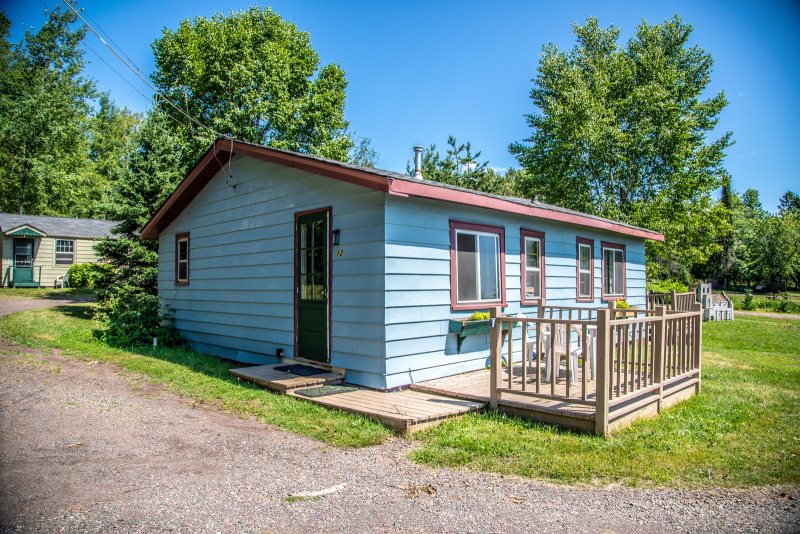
89, 448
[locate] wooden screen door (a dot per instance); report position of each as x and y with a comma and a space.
23, 260
312, 284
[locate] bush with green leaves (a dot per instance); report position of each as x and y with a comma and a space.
90, 274
132, 317
667, 286
80, 275
748, 301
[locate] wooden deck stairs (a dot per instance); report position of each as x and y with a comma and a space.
402, 411
276, 377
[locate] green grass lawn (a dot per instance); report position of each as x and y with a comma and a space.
762, 303
46, 293
200, 377
742, 430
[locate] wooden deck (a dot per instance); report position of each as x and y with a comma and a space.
474, 386
403, 411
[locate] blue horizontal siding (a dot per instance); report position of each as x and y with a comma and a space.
418, 346
240, 300
390, 291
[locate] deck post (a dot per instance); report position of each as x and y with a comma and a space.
612, 306
674, 304
659, 344
495, 356
603, 356
697, 307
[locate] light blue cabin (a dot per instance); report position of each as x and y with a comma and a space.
268, 255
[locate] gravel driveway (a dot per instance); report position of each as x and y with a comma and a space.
90, 448
15, 304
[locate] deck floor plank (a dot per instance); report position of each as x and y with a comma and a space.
404, 411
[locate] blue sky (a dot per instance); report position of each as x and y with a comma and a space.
420, 71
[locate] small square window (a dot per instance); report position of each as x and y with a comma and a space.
65, 252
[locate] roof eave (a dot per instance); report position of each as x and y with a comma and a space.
408, 188
222, 150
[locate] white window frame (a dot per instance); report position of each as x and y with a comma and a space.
56, 252
537, 270
581, 270
618, 292
478, 234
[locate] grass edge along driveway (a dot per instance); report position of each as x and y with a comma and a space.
742, 430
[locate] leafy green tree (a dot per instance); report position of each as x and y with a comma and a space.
129, 310
773, 249
155, 169
790, 201
45, 105
622, 132
112, 131
766, 245
363, 153
254, 76
461, 167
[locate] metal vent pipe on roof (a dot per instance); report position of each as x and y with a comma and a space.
418, 162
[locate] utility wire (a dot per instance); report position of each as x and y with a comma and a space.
118, 73
126, 80
88, 16
141, 77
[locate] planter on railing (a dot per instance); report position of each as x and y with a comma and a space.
463, 328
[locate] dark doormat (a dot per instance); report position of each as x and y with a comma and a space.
301, 370
324, 391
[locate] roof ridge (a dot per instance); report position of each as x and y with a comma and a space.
57, 217
399, 176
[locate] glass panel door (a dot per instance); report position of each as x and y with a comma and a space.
312, 256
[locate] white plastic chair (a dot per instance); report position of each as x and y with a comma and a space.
62, 281
530, 339
561, 345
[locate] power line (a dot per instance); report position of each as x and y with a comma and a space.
110, 39
141, 77
126, 80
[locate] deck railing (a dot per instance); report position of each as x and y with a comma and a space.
636, 354
673, 300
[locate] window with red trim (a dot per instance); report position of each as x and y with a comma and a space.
532, 260
477, 265
585, 270
613, 271
182, 259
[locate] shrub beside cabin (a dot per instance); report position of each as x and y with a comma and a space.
36, 250
267, 254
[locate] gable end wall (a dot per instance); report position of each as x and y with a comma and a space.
239, 303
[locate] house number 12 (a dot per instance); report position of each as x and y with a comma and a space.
339, 253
